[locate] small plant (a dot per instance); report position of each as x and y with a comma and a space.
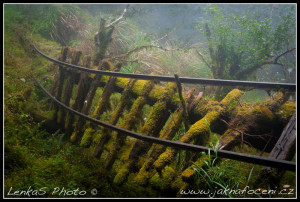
130, 68
212, 176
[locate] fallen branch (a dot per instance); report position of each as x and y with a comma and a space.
243, 133
268, 134
202, 57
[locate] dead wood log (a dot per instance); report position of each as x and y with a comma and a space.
57, 86
156, 120
69, 87
255, 119
172, 126
250, 118
102, 40
81, 92
105, 65
200, 128
284, 149
102, 106
105, 133
185, 112
130, 121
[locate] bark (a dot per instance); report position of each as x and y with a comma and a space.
131, 119
284, 149
81, 92
69, 87
199, 129
88, 102
156, 120
102, 40
124, 101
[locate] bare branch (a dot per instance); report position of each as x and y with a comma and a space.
259, 136
118, 19
202, 57
282, 54
185, 112
273, 60
170, 32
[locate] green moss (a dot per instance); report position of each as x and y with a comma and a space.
156, 92
122, 174
104, 79
263, 113
148, 85
158, 110
201, 128
168, 92
231, 96
143, 175
204, 106
126, 149
286, 111
176, 100
73, 137
154, 117
229, 103
138, 87
256, 118
173, 124
134, 116
288, 108
97, 108
164, 181
274, 102
164, 159
122, 82
188, 174
87, 137
96, 137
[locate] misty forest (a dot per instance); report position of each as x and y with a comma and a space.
51, 151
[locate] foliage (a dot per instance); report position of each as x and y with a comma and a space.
215, 176
239, 44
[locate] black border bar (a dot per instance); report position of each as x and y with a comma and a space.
190, 80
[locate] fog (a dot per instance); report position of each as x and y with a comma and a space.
159, 19
240, 34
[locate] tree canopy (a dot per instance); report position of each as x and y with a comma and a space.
240, 44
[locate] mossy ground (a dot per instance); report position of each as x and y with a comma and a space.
33, 156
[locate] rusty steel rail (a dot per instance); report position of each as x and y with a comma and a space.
282, 164
190, 80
